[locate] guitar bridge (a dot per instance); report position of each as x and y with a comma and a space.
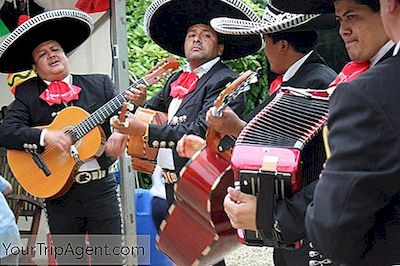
75, 154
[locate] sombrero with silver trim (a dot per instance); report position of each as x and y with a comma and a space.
304, 6
274, 21
166, 23
70, 28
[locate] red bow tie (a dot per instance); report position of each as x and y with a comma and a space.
60, 91
275, 84
350, 71
186, 83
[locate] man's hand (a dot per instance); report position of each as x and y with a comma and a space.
228, 124
188, 145
241, 209
137, 95
115, 145
131, 126
58, 139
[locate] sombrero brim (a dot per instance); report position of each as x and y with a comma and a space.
309, 22
166, 23
304, 6
70, 28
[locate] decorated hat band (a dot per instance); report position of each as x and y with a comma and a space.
274, 21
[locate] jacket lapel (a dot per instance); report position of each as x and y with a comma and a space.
200, 84
387, 55
314, 58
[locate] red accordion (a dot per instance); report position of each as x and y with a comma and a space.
267, 159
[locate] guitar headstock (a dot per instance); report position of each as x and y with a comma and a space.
233, 89
161, 70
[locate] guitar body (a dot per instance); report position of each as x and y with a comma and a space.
143, 156
197, 230
60, 164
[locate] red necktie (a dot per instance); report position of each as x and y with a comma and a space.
350, 71
275, 84
186, 83
60, 91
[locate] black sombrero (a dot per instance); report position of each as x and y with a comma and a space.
70, 28
304, 6
166, 23
274, 21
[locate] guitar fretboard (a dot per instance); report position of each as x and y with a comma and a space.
101, 114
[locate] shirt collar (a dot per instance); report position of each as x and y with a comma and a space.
295, 67
67, 79
203, 69
384, 49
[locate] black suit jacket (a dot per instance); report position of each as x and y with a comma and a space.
28, 110
194, 106
355, 215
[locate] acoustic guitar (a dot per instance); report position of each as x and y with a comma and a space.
144, 156
50, 174
197, 230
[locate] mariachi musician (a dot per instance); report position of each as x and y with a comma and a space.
91, 204
354, 217
290, 41
182, 28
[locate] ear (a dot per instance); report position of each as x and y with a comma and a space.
34, 67
220, 49
283, 46
388, 6
393, 5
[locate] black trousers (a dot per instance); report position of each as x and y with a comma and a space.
87, 209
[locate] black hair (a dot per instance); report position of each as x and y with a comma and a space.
372, 4
221, 39
301, 41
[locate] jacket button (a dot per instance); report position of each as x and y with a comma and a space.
155, 143
163, 144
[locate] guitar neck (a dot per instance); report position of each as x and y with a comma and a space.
233, 90
101, 114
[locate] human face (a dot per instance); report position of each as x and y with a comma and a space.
274, 53
50, 61
360, 28
201, 45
